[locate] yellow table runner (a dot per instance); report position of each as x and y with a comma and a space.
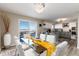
50, 47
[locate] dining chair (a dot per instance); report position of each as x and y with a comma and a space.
42, 36
59, 48
51, 38
21, 52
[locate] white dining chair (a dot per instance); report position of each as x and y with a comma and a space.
42, 36
21, 52
59, 49
51, 38
28, 52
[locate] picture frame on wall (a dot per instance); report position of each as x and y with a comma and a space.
73, 28
40, 25
65, 25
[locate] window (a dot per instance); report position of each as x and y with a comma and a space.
24, 25
27, 27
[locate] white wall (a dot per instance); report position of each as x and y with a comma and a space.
71, 24
48, 25
13, 28
78, 33
58, 26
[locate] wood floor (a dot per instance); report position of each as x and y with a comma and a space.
71, 49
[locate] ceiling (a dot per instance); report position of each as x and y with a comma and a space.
52, 10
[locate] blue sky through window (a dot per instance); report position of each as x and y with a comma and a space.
24, 25
27, 25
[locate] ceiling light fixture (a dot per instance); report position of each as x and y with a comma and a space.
61, 19
39, 7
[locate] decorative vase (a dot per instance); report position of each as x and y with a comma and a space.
7, 40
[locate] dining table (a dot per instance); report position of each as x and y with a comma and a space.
50, 47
